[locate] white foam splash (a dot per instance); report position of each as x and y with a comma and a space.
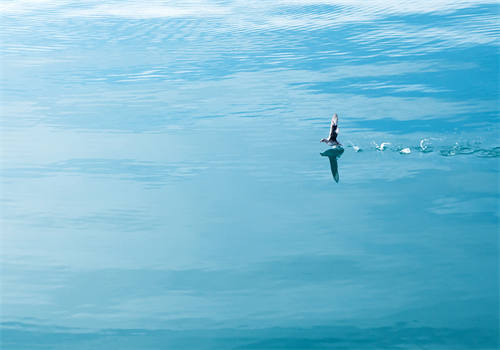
355, 148
382, 146
425, 145
405, 151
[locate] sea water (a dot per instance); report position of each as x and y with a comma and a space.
163, 185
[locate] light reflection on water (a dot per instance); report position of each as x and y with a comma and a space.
163, 184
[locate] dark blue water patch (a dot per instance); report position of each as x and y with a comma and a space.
395, 336
459, 73
490, 9
468, 77
459, 15
439, 124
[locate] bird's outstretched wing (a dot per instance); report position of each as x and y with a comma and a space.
333, 127
335, 119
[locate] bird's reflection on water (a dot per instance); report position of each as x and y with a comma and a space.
333, 154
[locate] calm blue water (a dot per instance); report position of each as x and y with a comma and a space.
163, 185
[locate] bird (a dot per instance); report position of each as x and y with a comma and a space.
334, 131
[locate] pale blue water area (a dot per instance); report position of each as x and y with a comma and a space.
163, 185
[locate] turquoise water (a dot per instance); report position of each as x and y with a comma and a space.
163, 185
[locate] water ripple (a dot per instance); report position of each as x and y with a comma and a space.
126, 169
428, 146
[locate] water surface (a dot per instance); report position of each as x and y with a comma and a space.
163, 184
